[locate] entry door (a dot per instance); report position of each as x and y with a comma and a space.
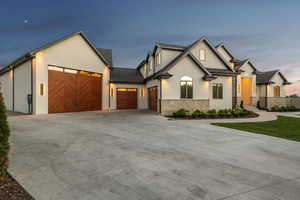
247, 91
152, 98
126, 98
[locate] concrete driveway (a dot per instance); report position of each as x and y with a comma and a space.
139, 155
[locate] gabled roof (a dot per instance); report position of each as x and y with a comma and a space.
107, 54
238, 64
171, 64
266, 77
204, 39
226, 49
126, 75
27, 56
220, 72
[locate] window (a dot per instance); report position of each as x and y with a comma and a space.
142, 92
217, 90
158, 56
202, 54
277, 91
150, 64
186, 87
56, 68
71, 71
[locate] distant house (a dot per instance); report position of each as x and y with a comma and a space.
71, 74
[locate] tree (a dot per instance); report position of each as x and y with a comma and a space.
4, 138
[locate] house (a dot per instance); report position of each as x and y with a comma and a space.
71, 74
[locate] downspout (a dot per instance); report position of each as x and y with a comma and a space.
160, 91
235, 101
13, 89
31, 106
109, 96
266, 96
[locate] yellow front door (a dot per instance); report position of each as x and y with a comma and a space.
247, 91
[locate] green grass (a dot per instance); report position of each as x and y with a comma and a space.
283, 127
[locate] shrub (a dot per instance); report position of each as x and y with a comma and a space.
236, 112
245, 112
199, 114
225, 113
275, 109
4, 136
283, 109
212, 113
181, 113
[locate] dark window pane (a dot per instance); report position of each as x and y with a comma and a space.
183, 90
215, 92
190, 91
220, 91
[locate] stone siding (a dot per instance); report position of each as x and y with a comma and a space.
239, 100
279, 101
170, 106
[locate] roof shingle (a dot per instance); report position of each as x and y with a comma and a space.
126, 75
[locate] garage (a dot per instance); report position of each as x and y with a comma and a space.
126, 98
152, 98
72, 90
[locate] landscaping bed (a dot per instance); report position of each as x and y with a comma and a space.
10, 189
283, 127
282, 109
214, 114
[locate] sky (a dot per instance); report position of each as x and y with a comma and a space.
266, 31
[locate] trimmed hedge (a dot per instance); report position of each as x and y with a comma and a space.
284, 109
225, 113
4, 138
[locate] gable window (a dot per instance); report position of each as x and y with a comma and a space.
202, 55
186, 87
151, 65
158, 59
217, 90
277, 91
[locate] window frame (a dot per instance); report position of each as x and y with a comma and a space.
219, 91
187, 94
204, 54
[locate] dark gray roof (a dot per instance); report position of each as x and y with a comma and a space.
171, 46
107, 53
126, 75
265, 77
224, 72
238, 63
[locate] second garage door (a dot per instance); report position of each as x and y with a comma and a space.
73, 91
126, 98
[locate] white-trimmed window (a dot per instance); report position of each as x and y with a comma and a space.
217, 89
186, 87
151, 65
202, 54
158, 56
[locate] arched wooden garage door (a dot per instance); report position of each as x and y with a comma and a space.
73, 91
126, 98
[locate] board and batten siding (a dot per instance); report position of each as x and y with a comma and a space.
73, 53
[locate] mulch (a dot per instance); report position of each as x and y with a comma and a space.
10, 189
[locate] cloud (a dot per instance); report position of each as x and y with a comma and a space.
293, 89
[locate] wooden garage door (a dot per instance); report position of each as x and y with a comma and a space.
152, 98
73, 92
126, 98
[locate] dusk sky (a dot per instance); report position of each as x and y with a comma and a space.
265, 31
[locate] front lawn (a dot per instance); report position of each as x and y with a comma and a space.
283, 127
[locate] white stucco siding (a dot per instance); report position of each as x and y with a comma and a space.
211, 60
142, 101
185, 67
278, 81
226, 102
167, 56
22, 85
224, 53
74, 53
261, 90
7, 89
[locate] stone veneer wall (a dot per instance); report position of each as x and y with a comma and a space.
279, 101
170, 106
254, 101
